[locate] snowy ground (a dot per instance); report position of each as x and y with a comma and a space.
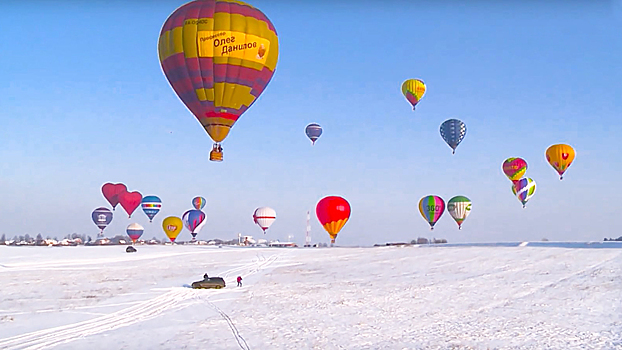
313, 298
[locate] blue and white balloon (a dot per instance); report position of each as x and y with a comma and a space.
151, 206
453, 132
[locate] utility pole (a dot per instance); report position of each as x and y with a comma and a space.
307, 237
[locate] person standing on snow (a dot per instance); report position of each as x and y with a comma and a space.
239, 281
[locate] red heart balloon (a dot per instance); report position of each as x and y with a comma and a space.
112, 191
564, 156
130, 201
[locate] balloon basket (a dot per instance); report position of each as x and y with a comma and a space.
215, 156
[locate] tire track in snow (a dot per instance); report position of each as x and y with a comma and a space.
505, 269
254, 267
141, 312
241, 342
545, 286
178, 298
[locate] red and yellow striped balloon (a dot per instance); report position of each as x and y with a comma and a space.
219, 56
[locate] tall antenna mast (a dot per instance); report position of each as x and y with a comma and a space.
307, 237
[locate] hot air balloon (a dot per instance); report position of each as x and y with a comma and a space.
453, 131
134, 231
560, 157
194, 220
151, 206
333, 212
198, 203
172, 226
413, 90
524, 189
130, 201
102, 218
313, 131
112, 191
514, 168
218, 56
459, 207
431, 208
264, 217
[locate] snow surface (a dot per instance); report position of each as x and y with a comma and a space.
518, 297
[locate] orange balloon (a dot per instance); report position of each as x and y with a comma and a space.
560, 157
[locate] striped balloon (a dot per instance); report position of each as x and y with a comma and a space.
453, 132
102, 218
194, 220
431, 208
524, 189
135, 231
413, 90
151, 206
218, 56
459, 207
198, 203
313, 131
264, 217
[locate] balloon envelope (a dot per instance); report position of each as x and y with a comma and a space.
313, 131
453, 132
218, 56
413, 90
514, 168
134, 231
172, 226
264, 217
151, 206
194, 221
112, 191
333, 212
524, 189
560, 157
102, 217
130, 201
431, 208
198, 203
459, 207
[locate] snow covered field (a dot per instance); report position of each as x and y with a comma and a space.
312, 298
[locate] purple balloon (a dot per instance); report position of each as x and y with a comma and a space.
102, 217
313, 131
193, 220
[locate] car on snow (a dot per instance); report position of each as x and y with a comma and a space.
209, 283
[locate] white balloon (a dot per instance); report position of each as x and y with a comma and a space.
264, 217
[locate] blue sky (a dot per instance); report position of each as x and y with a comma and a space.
84, 102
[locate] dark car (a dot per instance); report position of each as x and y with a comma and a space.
209, 283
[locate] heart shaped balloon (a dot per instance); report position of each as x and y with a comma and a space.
112, 191
130, 201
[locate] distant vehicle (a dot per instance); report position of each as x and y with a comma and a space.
209, 283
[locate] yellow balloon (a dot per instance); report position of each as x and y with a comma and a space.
218, 56
560, 157
413, 90
172, 226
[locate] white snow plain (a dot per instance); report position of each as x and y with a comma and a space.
408, 297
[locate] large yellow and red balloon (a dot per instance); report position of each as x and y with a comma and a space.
333, 212
219, 56
560, 157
